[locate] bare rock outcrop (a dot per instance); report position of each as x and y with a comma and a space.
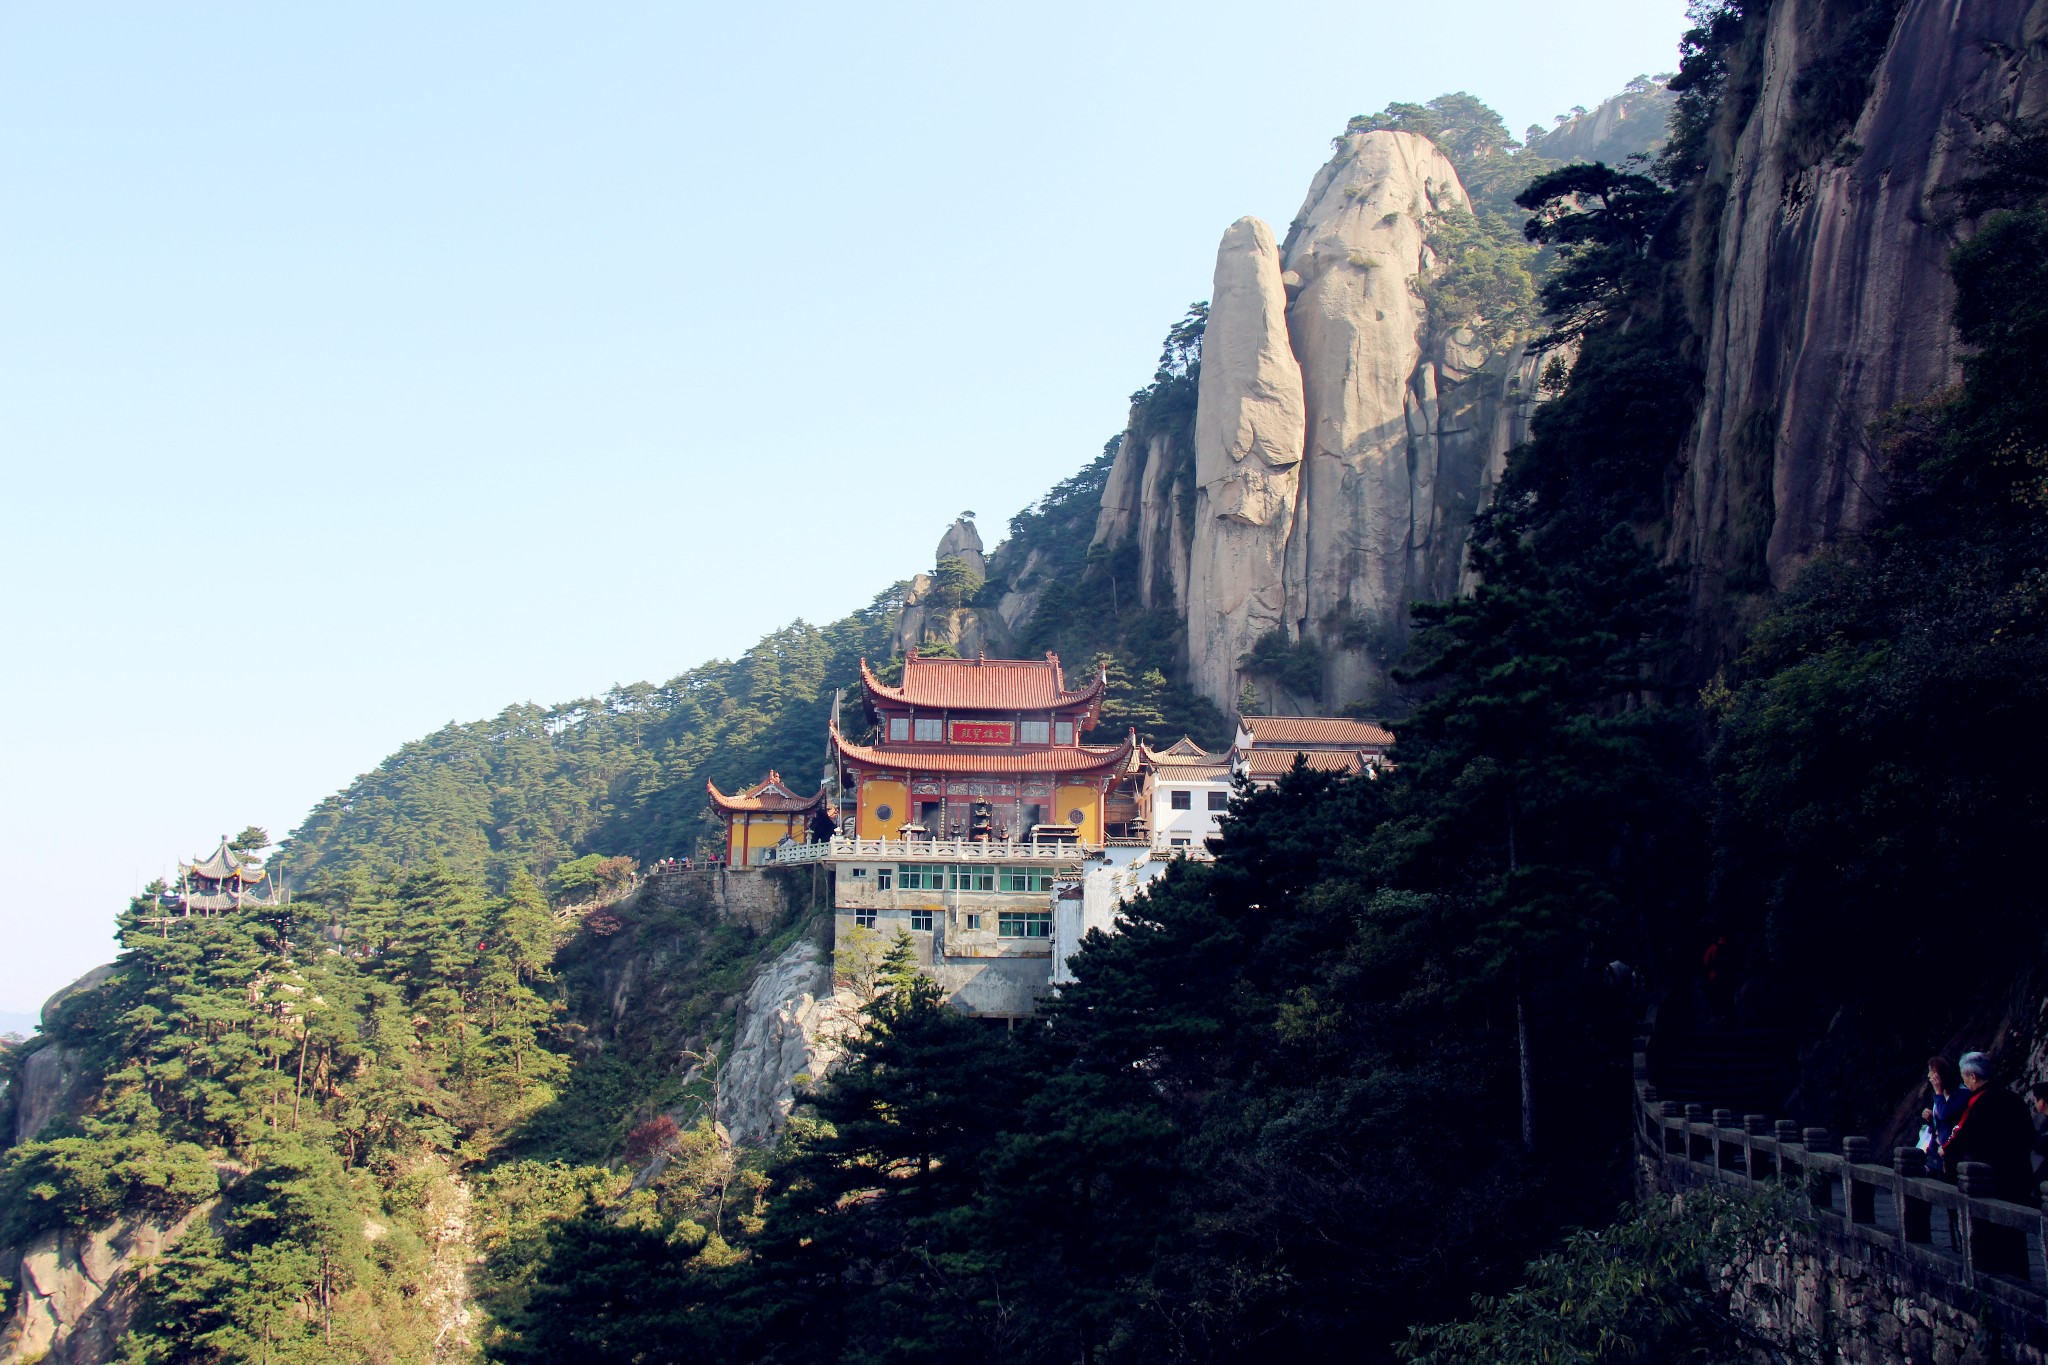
1366, 521
963, 542
44, 1088
1830, 296
74, 1295
933, 611
1248, 447
788, 1024
1341, 445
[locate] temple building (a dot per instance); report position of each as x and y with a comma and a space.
1186, 790
226, 879
969, 794
763, 816
1266, 746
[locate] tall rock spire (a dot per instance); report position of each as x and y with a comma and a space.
1368, 501
1248, 444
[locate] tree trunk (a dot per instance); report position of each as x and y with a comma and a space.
299, 1081
1528, 1088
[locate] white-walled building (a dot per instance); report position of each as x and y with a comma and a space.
1108, 879
1186, 793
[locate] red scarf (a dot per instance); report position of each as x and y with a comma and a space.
1979, 1093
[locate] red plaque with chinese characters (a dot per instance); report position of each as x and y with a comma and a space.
981, 732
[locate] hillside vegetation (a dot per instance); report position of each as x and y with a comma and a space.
1317, 1094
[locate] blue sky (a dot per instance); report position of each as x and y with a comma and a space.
368, 367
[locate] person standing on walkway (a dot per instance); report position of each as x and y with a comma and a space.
1995, 1130
1947, 1106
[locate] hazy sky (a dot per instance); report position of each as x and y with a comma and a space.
366, 367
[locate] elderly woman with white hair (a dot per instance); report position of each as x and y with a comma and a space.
1995, 1130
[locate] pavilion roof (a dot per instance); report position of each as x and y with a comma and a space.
1052, 762
1315, 732
983, 684
1182, 753
769, 794
225, 863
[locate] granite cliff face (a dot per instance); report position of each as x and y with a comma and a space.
1249, 425
1340, 445
1827, 299
1370, 533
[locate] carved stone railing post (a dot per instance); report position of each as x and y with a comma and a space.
1820, 1182
1916, 1216
1698, 1146
1728, 1155
1861, 1193
1761, 1166
1973, 1178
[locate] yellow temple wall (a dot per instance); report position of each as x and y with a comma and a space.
750, 832
1088, 801
875, 795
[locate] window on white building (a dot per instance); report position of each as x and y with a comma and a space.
1181, 800
1034, 732
1179, 843
1024, 924
1219, 800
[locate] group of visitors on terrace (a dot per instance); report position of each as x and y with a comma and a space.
1970, 1117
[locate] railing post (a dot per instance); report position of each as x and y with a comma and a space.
1787, 1132
1980, 1242
1728, 1153
1916, 1216
2040, 1232
1698, 1146
1820, 1186
1755, 1126
1672, 1139
1862, 1195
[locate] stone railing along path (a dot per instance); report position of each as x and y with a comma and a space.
1953, 1241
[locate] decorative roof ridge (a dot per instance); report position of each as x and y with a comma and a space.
1063, 696
751, 799
1104, 756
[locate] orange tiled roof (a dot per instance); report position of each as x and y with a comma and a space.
766, 795
1086, 758
1315, 732
982, 684
1271, 763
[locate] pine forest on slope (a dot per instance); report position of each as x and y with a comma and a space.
1316, 1094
